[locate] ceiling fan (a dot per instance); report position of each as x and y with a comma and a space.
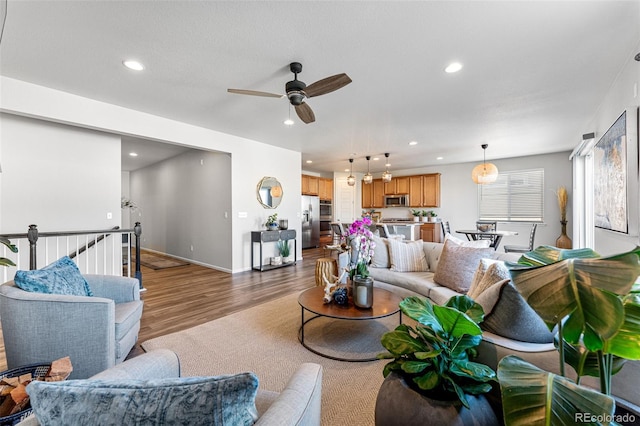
297, 91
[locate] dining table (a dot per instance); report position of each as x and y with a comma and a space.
494, 236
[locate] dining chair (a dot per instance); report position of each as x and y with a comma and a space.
339, 233
446, 229
523, 249
485, 226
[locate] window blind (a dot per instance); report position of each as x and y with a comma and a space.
515, 196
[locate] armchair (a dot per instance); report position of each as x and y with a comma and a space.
96, 332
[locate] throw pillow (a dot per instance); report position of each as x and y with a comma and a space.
380, 257
494, 271
475, 243
60, 277
457, 265
507, 314
407, 256
221, 400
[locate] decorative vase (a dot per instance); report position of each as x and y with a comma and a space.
283, 223
425, 219
272, 227
398, 404
563, 240
362, 292
416, 218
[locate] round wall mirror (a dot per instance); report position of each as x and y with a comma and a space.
269, 192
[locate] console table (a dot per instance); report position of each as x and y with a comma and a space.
261, 237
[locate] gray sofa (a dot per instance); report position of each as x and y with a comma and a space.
494, 346
96, 332
298, 404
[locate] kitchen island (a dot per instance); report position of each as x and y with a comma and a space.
412, 231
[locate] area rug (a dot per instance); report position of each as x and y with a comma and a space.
157, 262
264, 339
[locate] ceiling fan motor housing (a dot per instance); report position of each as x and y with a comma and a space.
295, 91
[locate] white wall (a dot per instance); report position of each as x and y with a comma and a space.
622, 95
184, 203
250, 160
58, 177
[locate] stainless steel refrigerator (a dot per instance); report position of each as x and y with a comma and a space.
310, 221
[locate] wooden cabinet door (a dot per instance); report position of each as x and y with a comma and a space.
367, 196
415, 191
390, 187
305, 185
431, 190
431, 232
313, 185
325, 189
378, 193
402, 185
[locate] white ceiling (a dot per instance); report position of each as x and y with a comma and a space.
534, 72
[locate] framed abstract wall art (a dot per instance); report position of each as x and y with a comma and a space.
610, 178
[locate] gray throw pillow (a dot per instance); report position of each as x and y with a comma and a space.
220, 400
458, 264
507, 314
380, 257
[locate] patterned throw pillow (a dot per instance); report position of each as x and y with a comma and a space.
407, 256
60, 277
458, 264
488, 273
220, 400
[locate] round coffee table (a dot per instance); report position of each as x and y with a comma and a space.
385, 304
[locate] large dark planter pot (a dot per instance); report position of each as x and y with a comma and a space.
398, 404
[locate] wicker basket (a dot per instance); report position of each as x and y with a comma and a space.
36, 370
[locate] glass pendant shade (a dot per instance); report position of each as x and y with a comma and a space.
486, 172
368, 178
276, 191
386, 175
351, 179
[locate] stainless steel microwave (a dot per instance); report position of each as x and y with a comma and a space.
396, 201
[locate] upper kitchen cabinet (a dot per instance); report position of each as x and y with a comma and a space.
373, 194
325, 188
309, 185
431, 190
415, 191
397, 186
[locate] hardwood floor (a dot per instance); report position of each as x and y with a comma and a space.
185, 296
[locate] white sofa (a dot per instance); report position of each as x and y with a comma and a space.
494, 346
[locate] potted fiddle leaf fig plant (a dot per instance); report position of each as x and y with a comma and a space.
3, 260
594, 304
431, 368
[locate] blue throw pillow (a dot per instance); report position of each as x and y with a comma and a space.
220, 400
61, 277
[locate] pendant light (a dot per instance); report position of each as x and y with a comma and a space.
351, 180
367, 179
386, 175
486, 172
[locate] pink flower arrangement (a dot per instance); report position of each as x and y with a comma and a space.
359, 231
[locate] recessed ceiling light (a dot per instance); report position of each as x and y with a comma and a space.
453, 67
346, 170
375, 158
439, 158
309, 161
288, 122
133, 65
388, 165
133, 154
413, 143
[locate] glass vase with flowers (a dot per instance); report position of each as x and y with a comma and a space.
362, 244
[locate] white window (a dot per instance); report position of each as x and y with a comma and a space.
516, 196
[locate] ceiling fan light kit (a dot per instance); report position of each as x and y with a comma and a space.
486, 172
297, 91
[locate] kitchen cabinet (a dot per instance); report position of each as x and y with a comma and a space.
431, 190
415, 191
325, 188
431, 232
309, 185
373, 194
399, 185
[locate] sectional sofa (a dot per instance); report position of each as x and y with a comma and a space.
442, 270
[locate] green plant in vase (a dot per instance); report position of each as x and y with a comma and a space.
3, 260
595, 306
272, 222
283, 248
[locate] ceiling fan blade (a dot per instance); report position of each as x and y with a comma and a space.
254, 93
305, 113
327, 85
